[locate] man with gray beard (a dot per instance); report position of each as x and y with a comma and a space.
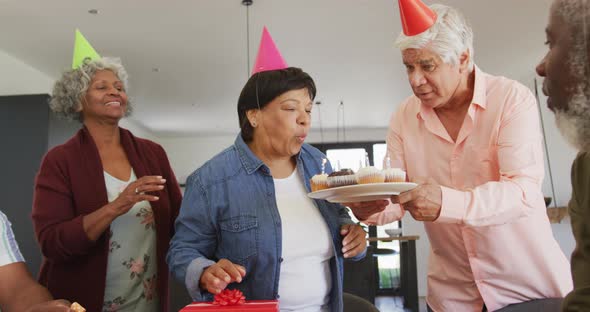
566, 69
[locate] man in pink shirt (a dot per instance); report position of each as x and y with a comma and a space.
472, 142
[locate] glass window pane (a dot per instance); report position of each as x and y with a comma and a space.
389, 271
351, 158
379, 152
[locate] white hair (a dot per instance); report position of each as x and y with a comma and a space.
449, 37
574, 122
73, 84
576, 14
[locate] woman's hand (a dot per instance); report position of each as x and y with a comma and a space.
354, 241
98, 221
216, 277
135, 192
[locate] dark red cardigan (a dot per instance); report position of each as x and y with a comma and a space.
69, 185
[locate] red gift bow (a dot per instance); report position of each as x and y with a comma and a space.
228, 297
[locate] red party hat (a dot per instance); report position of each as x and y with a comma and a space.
416, 16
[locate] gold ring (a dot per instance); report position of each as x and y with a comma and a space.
136, 191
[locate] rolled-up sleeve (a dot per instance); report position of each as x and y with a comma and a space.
194, 241
9, 251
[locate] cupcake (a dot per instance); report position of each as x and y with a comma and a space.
394, 175
76, 307
319, 182
341, 178
370, 175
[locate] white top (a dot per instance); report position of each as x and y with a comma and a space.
9, 252
305, 280
132, 266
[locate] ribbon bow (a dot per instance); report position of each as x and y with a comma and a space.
229, 297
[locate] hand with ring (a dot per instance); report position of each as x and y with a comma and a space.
137, 191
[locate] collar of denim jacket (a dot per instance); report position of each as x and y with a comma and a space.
250, 162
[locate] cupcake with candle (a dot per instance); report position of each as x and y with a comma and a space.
320, 181
369, 174
393, 174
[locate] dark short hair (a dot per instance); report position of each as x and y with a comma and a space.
270, 85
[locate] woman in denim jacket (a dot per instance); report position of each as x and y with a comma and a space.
246, 222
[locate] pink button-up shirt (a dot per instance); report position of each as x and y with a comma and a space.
492, 242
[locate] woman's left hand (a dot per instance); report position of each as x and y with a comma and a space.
354, 241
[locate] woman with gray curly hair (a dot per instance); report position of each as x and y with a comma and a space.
70, 89
105, 201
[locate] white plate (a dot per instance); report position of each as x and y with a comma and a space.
362, 192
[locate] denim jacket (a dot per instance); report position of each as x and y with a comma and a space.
229, 212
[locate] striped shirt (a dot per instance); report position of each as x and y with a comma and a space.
9, 252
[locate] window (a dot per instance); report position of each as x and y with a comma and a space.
352, 156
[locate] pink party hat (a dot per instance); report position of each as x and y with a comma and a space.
269, 57
416, 16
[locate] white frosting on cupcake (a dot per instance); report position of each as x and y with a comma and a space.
368, 171
370, 174
320, 178
394, 175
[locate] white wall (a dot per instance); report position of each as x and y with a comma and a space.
19, 78
352, 135
138, 130
189, 153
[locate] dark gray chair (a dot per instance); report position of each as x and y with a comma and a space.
539, 305
360, 277
354, 303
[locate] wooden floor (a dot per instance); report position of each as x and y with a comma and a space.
395, 304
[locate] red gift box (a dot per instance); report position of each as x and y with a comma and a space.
250, 305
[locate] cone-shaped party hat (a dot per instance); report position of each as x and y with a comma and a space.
269, 57
82, 50
416, 16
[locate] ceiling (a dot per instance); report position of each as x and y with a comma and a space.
188, 59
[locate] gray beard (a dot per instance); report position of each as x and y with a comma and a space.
574, 124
